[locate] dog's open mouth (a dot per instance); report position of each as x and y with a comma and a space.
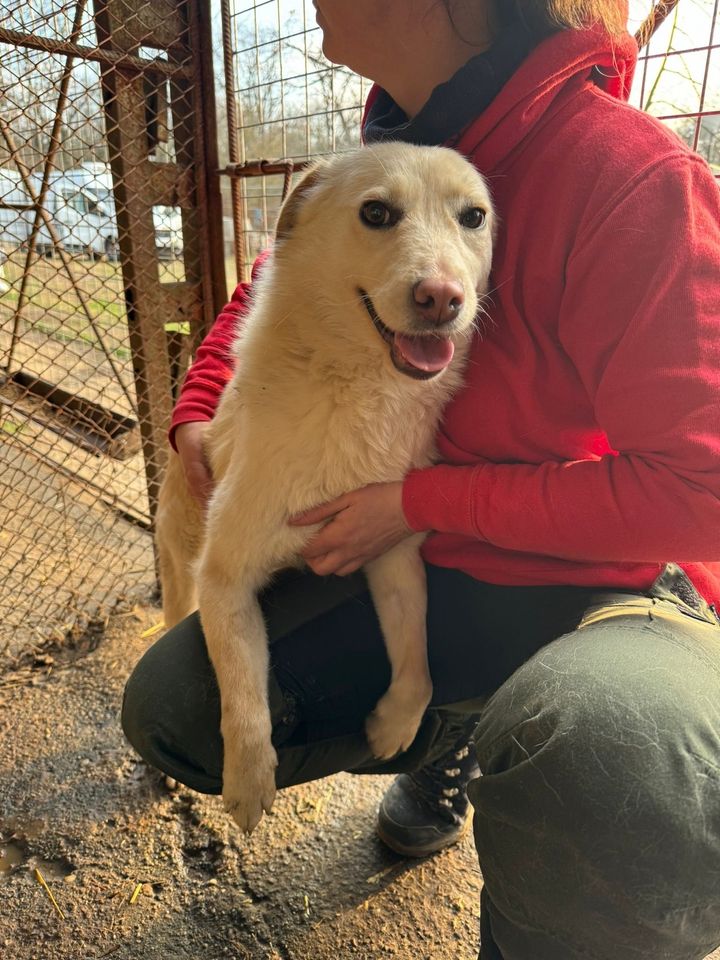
421, 357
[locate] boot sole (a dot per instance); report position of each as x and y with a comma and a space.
424, 851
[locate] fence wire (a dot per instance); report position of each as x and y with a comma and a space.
97, 160
292, 104
678, 76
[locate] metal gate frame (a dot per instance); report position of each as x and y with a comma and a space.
190, 183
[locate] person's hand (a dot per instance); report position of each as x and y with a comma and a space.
360, 526
189, 444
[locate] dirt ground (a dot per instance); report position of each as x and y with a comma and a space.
140, 872
312, 883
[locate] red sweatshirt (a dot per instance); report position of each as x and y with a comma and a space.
585, 446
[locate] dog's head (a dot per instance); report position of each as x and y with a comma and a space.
400, 238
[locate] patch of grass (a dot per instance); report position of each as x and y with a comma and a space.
182, 327
50, 292
79, 329
10, 428
115, 309
10, 296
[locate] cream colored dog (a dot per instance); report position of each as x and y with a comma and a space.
354, 343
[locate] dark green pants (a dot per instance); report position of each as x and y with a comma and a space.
597, 818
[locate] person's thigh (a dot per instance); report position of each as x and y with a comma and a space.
328, 669
597, 818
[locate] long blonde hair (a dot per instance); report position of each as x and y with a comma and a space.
547, 16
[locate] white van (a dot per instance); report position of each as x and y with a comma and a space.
168, 232
84, 223
81, 205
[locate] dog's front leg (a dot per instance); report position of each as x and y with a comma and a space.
399, 592
237, 644
178, 536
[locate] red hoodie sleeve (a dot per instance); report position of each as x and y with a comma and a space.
213, 364
640, 320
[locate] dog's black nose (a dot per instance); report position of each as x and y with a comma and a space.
438, 301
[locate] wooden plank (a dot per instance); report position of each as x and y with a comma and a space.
77, 367
89, 424
116, 483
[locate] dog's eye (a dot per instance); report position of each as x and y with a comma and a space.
473, 218
375, 213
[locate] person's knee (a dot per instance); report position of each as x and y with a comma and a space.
599, 792
171, 708
632, 693
138, 714
145, 701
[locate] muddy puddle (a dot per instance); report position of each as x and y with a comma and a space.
16, 851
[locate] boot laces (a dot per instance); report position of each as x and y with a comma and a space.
442, 786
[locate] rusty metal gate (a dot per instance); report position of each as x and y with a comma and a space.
110, 269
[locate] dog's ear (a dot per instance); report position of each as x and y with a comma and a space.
294, 200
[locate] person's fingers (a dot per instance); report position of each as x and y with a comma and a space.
198, 476
323, 566
336, 562
326, 540
317, 514
199, 481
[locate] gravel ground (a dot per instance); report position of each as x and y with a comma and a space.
312, 883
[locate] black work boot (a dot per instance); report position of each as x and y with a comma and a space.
425, 811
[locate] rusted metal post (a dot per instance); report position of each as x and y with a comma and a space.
120, 30
93, 54
234, 151
209, 193
140, 182
189, 182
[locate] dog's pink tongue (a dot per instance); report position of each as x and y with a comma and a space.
425, 353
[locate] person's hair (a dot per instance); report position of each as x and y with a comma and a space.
546, 16
543, 17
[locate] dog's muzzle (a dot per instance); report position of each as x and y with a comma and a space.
421, 357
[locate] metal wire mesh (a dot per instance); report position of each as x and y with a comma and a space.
678, 77
98, 291
292, 103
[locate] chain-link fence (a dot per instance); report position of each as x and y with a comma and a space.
113, 245
105, 276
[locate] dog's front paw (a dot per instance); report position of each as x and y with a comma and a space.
392, 726
249, 784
